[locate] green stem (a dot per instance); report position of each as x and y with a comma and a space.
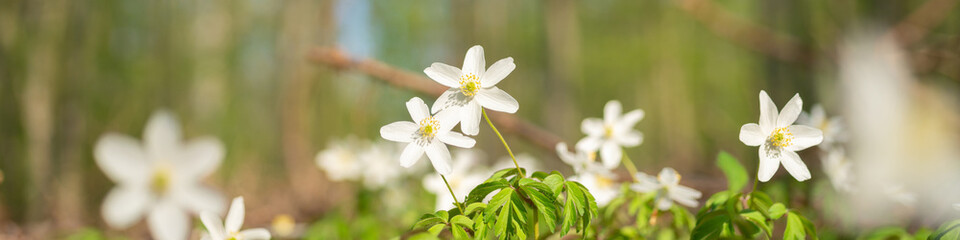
519, 172
630, 168
451, 193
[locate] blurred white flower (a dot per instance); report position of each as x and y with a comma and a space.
899, 194
779, 139
611, 133
284, 226
668, 188
956, 206
428, 134
838, 168
229, 230
472, 88
377, 164
340, 161
832, 128
466, 175
158, 178
582, 161
601, 183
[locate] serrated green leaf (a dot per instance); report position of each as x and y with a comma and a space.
569, 214
462, 220
481, 191
443, 215
497, 202
736, 174
555, 182
761, 202
777, 210
504, 173
480, 228
436, 229
758, 220
794, 228
546, 205
539, 175
948, 230
808, 227
429, 220
458, 232
477, 206
710, 226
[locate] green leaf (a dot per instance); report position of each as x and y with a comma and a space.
539, 175
736, 175
795, 229
443, 215
462, 220
761, 202
710, 226
569, 214
436, 229
546, 204
475, 207
504, 173
458, 232
427, 220
423, 236
555, 182
480, 228
777, 210
949, 230
497, 202
758, 220
481, 191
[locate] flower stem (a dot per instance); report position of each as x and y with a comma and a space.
519, 172
627, 162
451, 194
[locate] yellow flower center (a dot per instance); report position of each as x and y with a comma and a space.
608, 131
284, 225
604, 182
160, 181
469, 84
429, 127
781, 137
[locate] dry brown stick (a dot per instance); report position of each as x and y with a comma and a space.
418, 82
746, 34
918, 24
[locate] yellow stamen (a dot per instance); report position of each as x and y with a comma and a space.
469, 84
160, 181
429, 127
781, 137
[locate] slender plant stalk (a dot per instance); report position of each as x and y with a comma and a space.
627, 162
451, 193
519, 172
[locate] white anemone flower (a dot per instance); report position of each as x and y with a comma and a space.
159, 178
341, 161
611, 133
581, 161
473, 88
779, 139
601, 183
832, 128
464, 177
378, 170
668, 188
839, 169
428, 134
230, 230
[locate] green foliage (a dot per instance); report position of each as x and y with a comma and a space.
517, 209
736, 174
949, 230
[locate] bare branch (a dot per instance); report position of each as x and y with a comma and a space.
417, 82
919, 23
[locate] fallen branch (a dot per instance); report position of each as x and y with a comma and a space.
418, 82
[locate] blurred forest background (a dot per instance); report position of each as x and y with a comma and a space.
71, 71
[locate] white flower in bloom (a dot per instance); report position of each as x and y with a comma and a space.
428, 134
668, 188
779, 139
464, 177
832, 128
340, 161
472, 88
839, 169
377, 163
581, 161
158, 178
611, 133
602, 184
219, 230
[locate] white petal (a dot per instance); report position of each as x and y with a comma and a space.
645, 183
495, 99
664, 203
456, 139
162, 136
768, 166
791, 161
668, 176
630, 139
590, 143
213, 224
444, 74
565, 155
125, 205
449, 99
804, 137
418, 110
752, 135
167, 222
235, 215
611, 112
470, 118
448, 118
399, 131
789, 113
630, 119
201, 157
410, 155
592, 127
439, 156
255, 234
497, 72
121, 158
196, 198
768, 113
684, 195
474, 62
611, 154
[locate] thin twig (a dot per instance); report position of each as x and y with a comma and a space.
918, 24
418, 82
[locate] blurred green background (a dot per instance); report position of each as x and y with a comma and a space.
71, 71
